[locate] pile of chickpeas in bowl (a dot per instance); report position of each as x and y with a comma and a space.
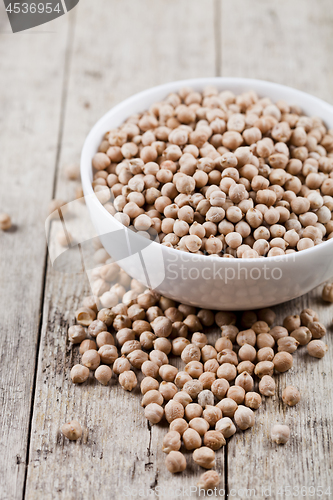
214, 173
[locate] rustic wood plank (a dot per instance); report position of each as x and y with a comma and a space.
160, 41
290, 43
30, 101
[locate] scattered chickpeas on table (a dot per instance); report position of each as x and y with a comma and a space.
215, 174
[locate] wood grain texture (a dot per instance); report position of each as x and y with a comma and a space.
172, 40
290, 43
30, 100
284, 42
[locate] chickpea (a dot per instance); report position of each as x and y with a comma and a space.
193, 410
121, 365
227, 371
103, 374
72, 430
191, 439
280, 434
76, 334
128, 381
179, 425
79, 374
91, 359
245, 381
168, 390
209, 480
86, 345
244, 417
267, 386
236, 393
327, 293
264, 368
291, 396
252, 400
317, 348
283, 361
265, 354
317, 329
302, 335
148, 384
214, 440
175, 462
205, 457
183, 398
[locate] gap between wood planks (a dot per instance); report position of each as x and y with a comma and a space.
63, 102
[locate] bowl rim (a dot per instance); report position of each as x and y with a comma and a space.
258, 85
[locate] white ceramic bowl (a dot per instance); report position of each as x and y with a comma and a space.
207, 281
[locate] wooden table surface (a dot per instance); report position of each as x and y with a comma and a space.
55, 82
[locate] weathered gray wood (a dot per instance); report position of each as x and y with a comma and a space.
290, 43
30, 98
134, 45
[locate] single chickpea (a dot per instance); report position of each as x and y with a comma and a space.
179, 425
236, 393
175, 462
103, 374
193, 410
6, 222
246, 366
317, 329
246, 337
168, 390
148, 384
302, 335
121, 365
287, 344
200, 425
317, 348
226, 426
265, 354
79, 374
327, 293
265, 340
91, 359
291, 396
86, 345
171, 442
205, 457
191, 439
245, 381
227, 371
85, 316
76, 334
209, 480
168, 372
108, 354
183, 398
267, 386
173, 410
128, 380
244, 417
153, 411
280, 434
214, 440
264, 368
72, 430
252, 400
283, 361
247, 353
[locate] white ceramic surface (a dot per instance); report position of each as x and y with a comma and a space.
206, 281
